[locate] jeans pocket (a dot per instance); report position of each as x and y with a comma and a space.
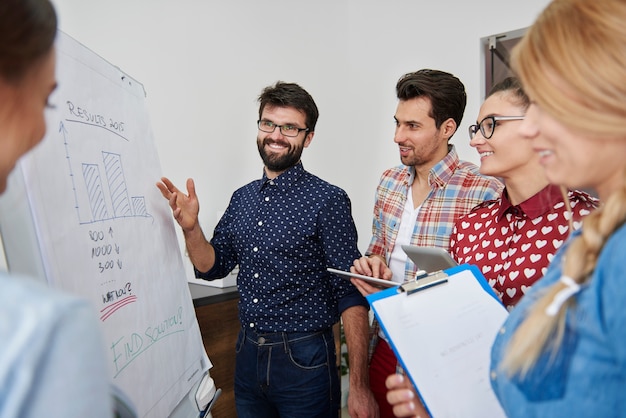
240, 339
309, 353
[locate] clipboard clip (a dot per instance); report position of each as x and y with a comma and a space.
424, 281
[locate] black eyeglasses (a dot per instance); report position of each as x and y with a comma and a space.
488, 125
287, 130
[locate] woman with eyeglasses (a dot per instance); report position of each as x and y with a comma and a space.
513, 239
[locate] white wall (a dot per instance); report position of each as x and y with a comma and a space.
204, 62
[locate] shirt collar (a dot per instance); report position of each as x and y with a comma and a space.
285, 179
441, 173
534, 207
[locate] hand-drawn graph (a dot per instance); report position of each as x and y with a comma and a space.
86, 218
107, 195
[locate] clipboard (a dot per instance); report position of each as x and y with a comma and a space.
441, 328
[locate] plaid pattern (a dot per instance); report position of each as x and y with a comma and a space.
456, 187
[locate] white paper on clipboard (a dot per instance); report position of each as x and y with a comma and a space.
442, 336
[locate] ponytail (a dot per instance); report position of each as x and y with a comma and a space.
544, 327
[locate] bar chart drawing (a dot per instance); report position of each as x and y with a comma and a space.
121, 204
117, 184
91, 175
139, 205
105, 195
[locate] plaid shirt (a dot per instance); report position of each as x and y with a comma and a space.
456, 187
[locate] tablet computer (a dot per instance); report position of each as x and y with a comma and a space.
371, 280
429, 259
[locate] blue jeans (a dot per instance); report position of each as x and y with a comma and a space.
287, 375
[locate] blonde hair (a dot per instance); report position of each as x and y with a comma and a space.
572, 63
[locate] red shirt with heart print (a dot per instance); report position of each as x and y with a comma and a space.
513, 245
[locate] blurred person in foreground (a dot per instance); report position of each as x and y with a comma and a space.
52, 360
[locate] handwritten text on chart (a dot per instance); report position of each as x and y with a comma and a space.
128, 348
104, 253
115, 300
85, 116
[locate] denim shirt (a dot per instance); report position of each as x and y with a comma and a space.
587, 377
52, 361
284, 233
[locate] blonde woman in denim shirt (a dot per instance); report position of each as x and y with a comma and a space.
563, 352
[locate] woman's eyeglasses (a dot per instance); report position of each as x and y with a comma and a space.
488, 125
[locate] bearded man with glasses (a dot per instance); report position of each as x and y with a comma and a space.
284, 230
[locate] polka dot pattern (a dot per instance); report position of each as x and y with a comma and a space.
283, 234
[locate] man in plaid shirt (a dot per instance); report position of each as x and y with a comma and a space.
418, 202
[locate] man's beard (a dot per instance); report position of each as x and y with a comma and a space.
279, 162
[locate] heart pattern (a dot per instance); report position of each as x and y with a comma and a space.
514, 249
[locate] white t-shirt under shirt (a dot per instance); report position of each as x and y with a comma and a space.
398, 258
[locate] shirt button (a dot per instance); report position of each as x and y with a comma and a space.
260, 223
256, 275
502, 330
251, 324
255, 300
261, 340
267, 199
255, 249
272, 182
493, 375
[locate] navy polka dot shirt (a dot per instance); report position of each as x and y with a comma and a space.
283, 233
